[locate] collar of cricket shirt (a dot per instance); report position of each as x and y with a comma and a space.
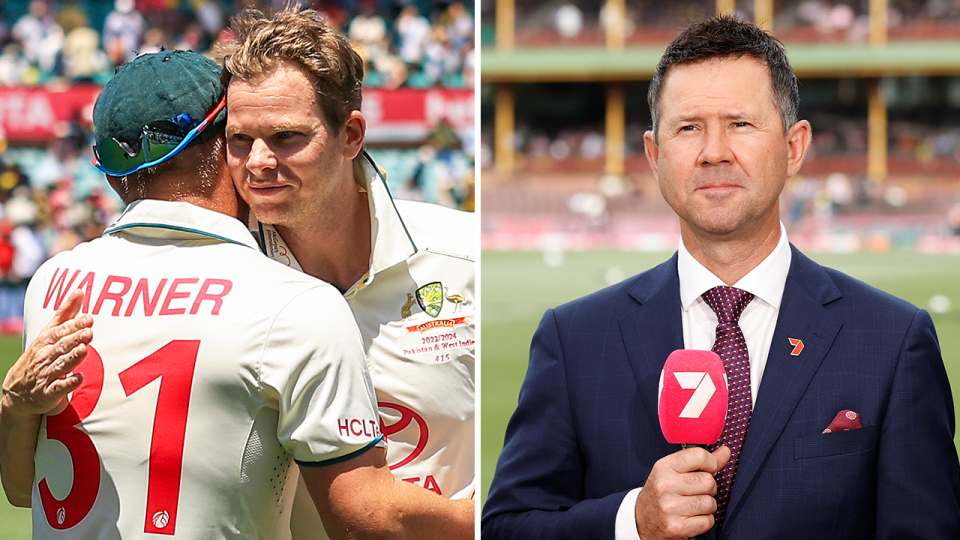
179, 220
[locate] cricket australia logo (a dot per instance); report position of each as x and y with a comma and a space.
430, 298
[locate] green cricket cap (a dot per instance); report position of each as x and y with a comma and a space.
157, 87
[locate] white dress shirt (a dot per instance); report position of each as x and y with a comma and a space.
758, 322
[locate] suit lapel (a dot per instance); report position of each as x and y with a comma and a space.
654, 330
785, 378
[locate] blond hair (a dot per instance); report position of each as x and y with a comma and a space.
303, 38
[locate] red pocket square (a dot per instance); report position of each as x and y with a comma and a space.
845, 421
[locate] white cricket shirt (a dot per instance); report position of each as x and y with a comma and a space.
210, 367
415, 310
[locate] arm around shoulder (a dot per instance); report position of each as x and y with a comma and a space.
345, 472
38, 384
359, 499
18, 443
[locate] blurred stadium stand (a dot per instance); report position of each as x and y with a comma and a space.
563, 112
55, 55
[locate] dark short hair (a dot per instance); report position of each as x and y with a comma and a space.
727, 36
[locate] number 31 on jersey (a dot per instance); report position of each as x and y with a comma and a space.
174, 365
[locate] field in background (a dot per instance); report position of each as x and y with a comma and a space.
517, 287
14, 522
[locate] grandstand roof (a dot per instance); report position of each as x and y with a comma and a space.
809, 60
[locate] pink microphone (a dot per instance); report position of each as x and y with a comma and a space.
693, 398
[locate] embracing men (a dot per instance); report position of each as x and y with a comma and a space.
289, 376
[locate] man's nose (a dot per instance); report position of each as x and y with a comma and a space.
261, 157
716, 147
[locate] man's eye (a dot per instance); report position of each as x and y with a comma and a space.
741, 124
688, 128
283, 135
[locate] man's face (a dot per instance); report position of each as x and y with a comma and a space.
722, 157
286, 162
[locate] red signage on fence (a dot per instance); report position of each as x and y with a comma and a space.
32, 113
407, 114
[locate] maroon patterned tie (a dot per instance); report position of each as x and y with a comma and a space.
728, 304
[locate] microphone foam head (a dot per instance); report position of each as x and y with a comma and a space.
693, 397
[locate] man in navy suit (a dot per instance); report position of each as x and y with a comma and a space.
584, 456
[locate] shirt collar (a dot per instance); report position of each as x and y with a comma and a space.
766, 281
179, 220
390, 241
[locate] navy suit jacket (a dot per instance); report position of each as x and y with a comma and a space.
586, 428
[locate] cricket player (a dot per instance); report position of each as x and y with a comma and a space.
212, 365
295, 135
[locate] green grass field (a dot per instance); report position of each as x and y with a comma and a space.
14, 522
518, 287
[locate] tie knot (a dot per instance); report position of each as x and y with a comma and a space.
727, 302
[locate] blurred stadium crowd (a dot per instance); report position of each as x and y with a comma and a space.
924, 117
52, 198
924, 130
581, 22
558, 183
415, 43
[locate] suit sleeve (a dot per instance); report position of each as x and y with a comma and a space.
918, 480
538, 488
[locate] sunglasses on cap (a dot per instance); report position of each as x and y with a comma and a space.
159, 141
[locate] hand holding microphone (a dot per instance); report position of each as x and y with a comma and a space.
677, 499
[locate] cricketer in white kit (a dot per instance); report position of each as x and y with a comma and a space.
211, 366
415, 309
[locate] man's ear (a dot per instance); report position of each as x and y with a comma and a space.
355, 128
652, 151
798, 142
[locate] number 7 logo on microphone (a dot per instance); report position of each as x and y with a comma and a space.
693, 397
703, 388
